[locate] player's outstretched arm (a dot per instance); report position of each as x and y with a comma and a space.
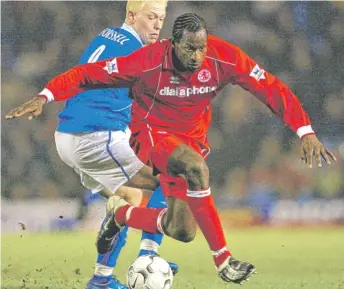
32, 108
65, 86
101, 74
279, 98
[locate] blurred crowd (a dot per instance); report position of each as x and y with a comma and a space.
254, 156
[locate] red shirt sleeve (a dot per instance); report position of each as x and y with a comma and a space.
268, 89
115, 72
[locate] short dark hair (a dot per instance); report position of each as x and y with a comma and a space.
190, 22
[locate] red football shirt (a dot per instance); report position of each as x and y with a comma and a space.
180, 102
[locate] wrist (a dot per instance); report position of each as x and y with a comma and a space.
42, 98
304, 130
47, 94
307, 134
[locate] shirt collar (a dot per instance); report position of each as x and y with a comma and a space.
132, 31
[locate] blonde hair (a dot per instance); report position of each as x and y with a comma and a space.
136, 6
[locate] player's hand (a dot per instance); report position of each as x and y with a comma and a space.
33, 108
311, 146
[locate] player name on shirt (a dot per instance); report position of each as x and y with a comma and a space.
114, 36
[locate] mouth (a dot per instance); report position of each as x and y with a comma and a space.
193, 66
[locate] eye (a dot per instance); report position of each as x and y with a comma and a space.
188, 49
150, 17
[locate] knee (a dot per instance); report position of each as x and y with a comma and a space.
131, 195
184, 235
197, 173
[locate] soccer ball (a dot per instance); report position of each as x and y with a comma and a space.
149, 272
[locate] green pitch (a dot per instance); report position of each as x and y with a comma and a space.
296, 258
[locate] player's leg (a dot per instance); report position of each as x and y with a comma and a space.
105, 263
150, 243
178, 222
173, 156
175, 221
131, 195
69, 148
186, 162
144, 179
148, 219
144, 218
107, 158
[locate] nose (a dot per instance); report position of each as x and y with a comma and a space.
197, 56
158, 24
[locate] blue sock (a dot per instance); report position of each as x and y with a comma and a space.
151, 242
109, 259
107, 262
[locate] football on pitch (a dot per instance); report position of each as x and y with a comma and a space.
149, 272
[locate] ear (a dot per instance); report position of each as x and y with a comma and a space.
131, 17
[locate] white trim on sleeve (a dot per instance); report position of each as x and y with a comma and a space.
198, 194
48, 94
303, 130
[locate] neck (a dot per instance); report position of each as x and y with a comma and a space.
137, 35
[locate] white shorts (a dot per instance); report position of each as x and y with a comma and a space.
102, 159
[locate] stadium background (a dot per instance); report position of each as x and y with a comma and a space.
259, 183
256, 173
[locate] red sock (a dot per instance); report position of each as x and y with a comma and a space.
145, 219
203, 208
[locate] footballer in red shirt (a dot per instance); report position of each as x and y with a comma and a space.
172, 83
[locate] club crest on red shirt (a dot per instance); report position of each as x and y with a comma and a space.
204, 75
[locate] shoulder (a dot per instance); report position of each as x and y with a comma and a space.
158, 49
153, 54
222, 50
